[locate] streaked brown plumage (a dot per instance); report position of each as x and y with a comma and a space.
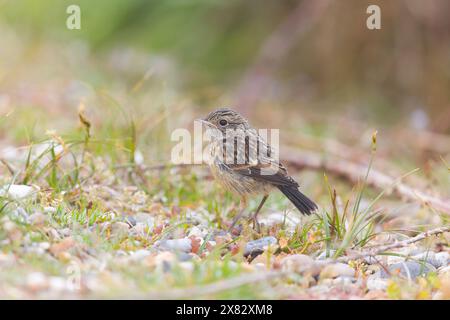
244, 172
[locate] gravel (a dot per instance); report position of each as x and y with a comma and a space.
257, 247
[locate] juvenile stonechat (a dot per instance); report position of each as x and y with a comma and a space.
244, 163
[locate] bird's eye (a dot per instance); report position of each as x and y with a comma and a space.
223, 122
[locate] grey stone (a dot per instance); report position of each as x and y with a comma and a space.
196, 231
256, 247
429, 257
442, 259
50, 210
408, 269
183, 245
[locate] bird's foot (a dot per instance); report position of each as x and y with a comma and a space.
256, 224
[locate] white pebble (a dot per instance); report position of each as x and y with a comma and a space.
195, 231
183, 244
442, 258
376, 284
18, 191
139, 254
146, 219
36, 281
49, 210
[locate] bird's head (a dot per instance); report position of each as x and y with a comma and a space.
226, 119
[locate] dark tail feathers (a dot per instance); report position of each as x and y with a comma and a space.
302, 202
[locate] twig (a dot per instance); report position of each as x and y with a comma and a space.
353, 172
383, 248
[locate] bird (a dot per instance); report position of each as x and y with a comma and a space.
245, 164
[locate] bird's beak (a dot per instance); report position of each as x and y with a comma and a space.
206, 123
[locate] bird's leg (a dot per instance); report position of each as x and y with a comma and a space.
242, 206
255, 216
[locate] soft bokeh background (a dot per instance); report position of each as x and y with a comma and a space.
309, 67
327, 58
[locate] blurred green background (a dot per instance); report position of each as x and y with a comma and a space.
326, 59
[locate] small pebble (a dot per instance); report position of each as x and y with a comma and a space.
373, 283
65, 232
49, 210
57, 283
37, 219
139, 229
442, 258
394, 260
187, 265
139, 255
146, 219
183, 256
183, 245
195, 231
20, 213
119, 229
130, 220
162, 261
444, 270
344, 280
408, 269
256, 247
337, 269
44, 245
36, 281
297, 263
428, 256
374, 260
62, 246
12, 230
19, 191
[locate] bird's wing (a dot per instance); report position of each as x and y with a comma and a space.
265, 167
279, 178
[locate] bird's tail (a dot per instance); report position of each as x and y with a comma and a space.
302, 202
